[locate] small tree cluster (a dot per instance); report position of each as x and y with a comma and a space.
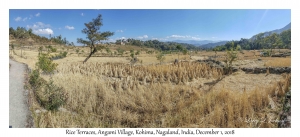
45, 63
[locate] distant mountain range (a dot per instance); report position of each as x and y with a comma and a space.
278, 31
212, 44
202, 43
195, 42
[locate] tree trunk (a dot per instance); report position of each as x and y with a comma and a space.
92, 52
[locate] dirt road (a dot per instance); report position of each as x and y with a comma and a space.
18, 108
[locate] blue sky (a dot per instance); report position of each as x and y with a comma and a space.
163, 25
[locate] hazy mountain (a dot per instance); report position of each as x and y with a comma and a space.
278, 31
212, 45
195, 42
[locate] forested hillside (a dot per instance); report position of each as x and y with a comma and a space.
274, 40
23, 36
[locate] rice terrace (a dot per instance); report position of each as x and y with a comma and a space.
97, 74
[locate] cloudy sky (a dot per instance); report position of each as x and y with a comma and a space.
163, 25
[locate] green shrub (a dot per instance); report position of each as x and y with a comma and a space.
137, 53
60, 55
231, 55
160, 57
64, 54
45, 63
132, 55
34, 78
53, 49
50, 96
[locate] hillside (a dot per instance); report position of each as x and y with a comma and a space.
212, 45
278, 31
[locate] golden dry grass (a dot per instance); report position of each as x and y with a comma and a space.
99, 98
278, 62
114, 94
157, 105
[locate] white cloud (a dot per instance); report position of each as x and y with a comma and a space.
38, 14
186, 37
25, 19
196, 38
123, 37
41, 28
179, 36
18, 19
214, 37
120, 31
143, 37
43, 31
159, 39
69, 27
82, 14
38, 25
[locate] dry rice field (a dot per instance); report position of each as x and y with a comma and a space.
109, 92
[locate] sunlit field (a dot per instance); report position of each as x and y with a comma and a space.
109, 91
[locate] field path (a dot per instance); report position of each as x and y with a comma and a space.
18, 108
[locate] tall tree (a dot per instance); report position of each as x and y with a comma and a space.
286, 38
273, 41
30, 32
11, 31
94, 36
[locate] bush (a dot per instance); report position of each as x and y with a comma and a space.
60, 55
231, 55
34, 79
137, 53
64, 54
45, 63
132, 55
53, 49
47, 94
160, 57
50, 96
